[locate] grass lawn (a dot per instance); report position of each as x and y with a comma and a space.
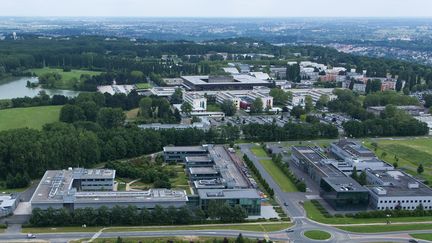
59, 229
317, 234
408, 153
422, 236
259, 152
32, 117
181, 181
213, 108
262, 227
281, 179
175, 239
385, 228
143, 86
314, 214
68, 80
132, 114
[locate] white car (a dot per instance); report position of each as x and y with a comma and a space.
31, 236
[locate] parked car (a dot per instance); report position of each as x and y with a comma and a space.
31, 236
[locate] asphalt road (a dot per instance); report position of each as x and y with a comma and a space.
293, 209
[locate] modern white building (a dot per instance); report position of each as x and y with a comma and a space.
351, 154
394, 189
242, 99
299, 95
8, 203
196, 100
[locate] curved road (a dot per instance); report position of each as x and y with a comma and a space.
294, 234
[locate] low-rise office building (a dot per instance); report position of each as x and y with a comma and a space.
8, 204
351, 154
244, 100
81, 188
410, 109
173, 154
299, 95
249, 199
196, 100
241, 81
339, 190
394, 189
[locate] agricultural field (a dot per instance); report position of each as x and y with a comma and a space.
69, 80
408, 153
31, 117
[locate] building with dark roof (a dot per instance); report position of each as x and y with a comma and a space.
339, 190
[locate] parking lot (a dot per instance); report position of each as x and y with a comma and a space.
280, 120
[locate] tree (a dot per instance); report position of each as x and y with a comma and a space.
228, 107
186, 108
362, 180
297, 111
395, 165
177, 97
145, 105
111, 117
308, 103
420, 169
399, 85
90, 110
354, 174
280, 97
71, 113
240, 239
256, 106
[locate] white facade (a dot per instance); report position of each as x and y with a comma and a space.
393, 189
197, 101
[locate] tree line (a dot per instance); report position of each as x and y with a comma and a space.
290, 131
132, 216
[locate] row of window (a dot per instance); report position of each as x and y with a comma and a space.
405, 208
407, 201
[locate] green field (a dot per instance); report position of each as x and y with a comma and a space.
408, 153
259, 152
143, 86
317, 235
32, 117
422, 236
385, 228
314, 214
181, 181
69, 79
281, 179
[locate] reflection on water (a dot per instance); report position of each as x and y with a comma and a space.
17, 88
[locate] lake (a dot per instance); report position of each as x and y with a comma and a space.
16, 87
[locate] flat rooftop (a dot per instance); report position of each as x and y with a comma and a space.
228, 193
241, 78
227, 167
185, 149
310, 153
344, 184
354, 148
205, 158
56, 187
203, 171
398, 183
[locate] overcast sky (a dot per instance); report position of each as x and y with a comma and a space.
218, 8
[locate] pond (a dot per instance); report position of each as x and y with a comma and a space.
16, 87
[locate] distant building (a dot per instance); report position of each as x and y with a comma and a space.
410, 109
116, 89
244, 100
299, 95
160, 126
359, 87
241, 81
196, 100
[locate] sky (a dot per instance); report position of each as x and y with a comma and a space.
218, 8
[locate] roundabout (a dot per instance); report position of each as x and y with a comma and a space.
317, 235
